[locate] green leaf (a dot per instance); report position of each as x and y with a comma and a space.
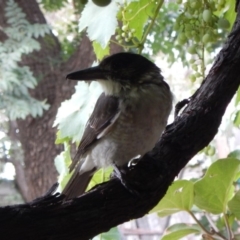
230, 14
214, 190
234, 205
234, 154
136, 15
99, 51
100, 176
74, 113
113, 233
237, 100
178, 231
62, 161
100, 22
53, 5
179, 197
60, 139
236, 120
71, 123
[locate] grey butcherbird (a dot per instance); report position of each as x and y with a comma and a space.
127, 120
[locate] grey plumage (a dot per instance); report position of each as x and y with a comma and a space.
127, 120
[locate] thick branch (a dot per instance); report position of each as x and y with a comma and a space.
110, 204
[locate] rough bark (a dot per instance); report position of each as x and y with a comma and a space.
36, 135
109, 204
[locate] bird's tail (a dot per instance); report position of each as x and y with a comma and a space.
77, 184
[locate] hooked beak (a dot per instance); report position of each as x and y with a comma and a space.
93, 73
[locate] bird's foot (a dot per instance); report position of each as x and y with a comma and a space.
120, 173
179, 106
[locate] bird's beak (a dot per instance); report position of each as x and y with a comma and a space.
93, 73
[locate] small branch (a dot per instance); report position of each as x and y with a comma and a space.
141, 45
214, 227
199, 223
139, 231
229, 232
211, 233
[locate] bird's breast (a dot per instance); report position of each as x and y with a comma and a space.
143, 117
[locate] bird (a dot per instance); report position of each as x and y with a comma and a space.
128, 118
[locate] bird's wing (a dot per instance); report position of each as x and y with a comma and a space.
105, 112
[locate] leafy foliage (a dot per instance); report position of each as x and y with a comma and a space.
164, 34
180, 230
135, 15
53, 5
61, 162
233, 205
214, 193
100, 22
179, 197
219, 178
16, 79
111, 234
77, 111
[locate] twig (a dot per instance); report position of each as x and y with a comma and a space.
229, 232
160, 3
204, 229
213, 226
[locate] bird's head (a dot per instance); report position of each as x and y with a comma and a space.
120, 71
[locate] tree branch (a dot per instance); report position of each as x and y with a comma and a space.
109, 204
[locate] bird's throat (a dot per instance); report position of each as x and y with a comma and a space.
111, 88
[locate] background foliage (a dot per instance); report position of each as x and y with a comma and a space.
16, 80
186, 35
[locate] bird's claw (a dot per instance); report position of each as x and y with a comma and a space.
121, 175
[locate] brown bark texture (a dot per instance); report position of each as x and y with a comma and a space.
110, 204
36, 135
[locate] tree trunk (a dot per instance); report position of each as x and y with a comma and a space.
36, 135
